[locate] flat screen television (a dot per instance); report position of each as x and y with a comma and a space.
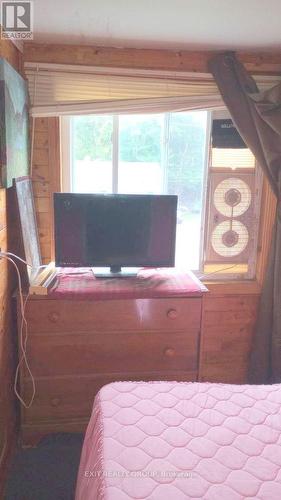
115, 231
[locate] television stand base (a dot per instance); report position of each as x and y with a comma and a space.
115, 272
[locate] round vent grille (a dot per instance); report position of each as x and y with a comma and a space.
230, 238
232, 197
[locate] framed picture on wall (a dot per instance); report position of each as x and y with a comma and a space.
14, 126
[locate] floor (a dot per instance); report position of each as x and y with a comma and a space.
47, 472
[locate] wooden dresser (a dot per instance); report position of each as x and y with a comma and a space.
76, 346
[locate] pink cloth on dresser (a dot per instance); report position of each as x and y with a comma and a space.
179, 440
81, 284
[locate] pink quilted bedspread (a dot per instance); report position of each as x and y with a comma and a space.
178, 440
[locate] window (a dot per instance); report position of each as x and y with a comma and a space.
171, 153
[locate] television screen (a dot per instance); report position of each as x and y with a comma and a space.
115, 230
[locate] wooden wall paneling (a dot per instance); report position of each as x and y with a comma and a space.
41, 189
46, 179
41, 124
55, 171
226, 337
268, 211
9, 241
8, 415
247, 287
41, 183
42, 204
144, 58
40, 171
41, 139
117, 57
40, 157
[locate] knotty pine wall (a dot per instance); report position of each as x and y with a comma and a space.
8, 418
46, 178
228, 323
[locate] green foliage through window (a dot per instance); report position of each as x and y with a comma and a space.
92, 137
175, 141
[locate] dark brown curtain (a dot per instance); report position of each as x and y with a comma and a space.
257, 116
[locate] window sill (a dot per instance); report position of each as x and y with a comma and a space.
245, 287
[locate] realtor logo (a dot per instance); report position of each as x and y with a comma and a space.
17, 20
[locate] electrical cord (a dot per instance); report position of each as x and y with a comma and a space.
10, 254
20, 259
23, 334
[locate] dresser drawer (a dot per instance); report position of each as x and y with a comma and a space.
70, 398
112, 315
60, 398
53, 355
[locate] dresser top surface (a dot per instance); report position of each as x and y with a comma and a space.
81, 284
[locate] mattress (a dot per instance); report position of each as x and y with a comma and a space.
179, 440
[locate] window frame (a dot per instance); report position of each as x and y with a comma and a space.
253, 262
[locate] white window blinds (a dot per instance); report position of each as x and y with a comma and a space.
66, 90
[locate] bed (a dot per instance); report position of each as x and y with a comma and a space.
179, 440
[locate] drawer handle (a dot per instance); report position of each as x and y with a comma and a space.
54, 317
172, 313
55, 401
169, 352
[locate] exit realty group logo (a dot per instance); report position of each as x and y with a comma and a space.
17, 20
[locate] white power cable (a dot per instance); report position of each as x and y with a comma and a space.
21, 260
23, 333
10, 254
